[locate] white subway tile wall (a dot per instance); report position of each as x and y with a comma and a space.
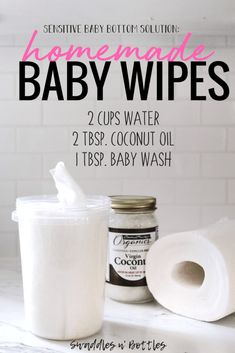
199, 187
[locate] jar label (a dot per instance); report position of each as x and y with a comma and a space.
127, 255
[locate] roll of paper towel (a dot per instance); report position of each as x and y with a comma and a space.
193, 273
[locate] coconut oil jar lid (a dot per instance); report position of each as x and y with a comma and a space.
133, 202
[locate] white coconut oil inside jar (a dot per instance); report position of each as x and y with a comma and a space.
133, 228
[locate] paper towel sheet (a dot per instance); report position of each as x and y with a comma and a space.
193, 273
69, 192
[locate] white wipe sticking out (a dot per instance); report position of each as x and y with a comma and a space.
193, 273
69, 192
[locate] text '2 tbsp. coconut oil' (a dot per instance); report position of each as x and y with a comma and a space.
133, 229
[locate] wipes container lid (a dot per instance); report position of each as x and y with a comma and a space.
48, 207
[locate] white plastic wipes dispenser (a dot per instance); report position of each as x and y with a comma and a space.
63, 253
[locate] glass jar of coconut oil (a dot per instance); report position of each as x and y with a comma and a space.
133, 228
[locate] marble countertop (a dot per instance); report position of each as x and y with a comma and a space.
125, 327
